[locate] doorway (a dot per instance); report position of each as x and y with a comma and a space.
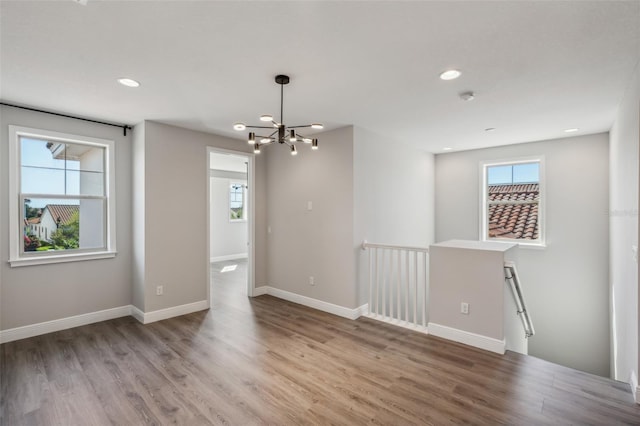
230, 226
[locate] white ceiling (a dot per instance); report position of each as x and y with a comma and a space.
537, 68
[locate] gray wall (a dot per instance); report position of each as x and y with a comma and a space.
34, 294
226, 238
625, 138
316, 242
394, 196
175, 206
566, 283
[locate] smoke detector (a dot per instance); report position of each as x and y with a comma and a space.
467, 96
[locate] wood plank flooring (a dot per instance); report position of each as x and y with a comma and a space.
268, 361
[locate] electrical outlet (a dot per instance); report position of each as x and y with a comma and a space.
464, 308
312, 281
159, 290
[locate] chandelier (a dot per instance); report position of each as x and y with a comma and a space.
281, 133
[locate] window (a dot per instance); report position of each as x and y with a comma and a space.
62, 196
237, 211
512, 201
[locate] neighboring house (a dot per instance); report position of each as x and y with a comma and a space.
513, 211
52, 216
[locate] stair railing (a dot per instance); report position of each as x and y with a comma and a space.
512, 278
398, 284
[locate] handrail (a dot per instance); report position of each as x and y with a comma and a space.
518, 297
365, 245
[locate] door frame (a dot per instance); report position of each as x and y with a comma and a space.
250, 218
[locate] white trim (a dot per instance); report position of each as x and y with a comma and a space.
471, 339
16, 257
398, 323
137, 313
63, 323
259, 291
229, 257
320, 305
251, 182
635, 389
174, 311
30, 261
482, 219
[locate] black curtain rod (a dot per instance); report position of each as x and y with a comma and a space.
124, 126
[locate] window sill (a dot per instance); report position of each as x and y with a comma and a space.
527, 246
532, 246
46, 260
237, 220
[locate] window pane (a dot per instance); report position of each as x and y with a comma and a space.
526, 173
513, 173
62, 224
499, 174
236, 202
42, 181
38, 153
513, 197
84, 183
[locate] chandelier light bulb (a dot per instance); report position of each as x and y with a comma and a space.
281, 133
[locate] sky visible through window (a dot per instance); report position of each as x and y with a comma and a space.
43, 174
513, 173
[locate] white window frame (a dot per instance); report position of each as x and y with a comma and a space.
484, 220
244, 200
16, 256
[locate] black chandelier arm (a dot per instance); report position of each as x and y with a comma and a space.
259, 127
298, 127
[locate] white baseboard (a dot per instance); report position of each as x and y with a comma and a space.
398, 323
63, 323
174, 311
228, 257
471, 339
137, 313
320, 305
635, 389
78, 320
259, 291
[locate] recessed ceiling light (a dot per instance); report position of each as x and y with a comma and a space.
450, 74
574, 129
489, 129
128, 82
447, 148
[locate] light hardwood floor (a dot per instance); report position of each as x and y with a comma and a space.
268, 361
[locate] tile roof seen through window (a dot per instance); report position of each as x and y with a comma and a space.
513, 211
63, 211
